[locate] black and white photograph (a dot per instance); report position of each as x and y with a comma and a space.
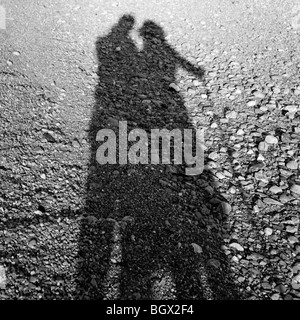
149, 153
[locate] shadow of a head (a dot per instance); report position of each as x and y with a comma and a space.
150, 30
124, 25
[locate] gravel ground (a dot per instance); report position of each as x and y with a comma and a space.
71, 228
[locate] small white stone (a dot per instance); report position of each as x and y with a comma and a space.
297, 92
268, 231
220, 175
235, 259
271, 139
292, 108
295, 189
292, 239
231, 115
236, 246
276, 90
251, 103
275, 189
259, 94
293, 165
264, 108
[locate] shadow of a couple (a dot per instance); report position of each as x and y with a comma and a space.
143, 222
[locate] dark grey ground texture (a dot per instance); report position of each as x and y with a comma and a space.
71, 228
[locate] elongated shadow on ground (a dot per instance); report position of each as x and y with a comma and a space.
144, 222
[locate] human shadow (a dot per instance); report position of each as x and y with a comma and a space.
149, 231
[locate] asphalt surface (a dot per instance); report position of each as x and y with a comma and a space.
71, 228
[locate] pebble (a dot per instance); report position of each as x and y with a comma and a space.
293, 165
296, 267
275, 190
32, 243
3, 278
213, 156
266, 286
235, 259
295, 189
294, 220
196, 83
280, 288
231, 115
33, 279
292, 239
271, 201
284, 198
296, 282
220, 175
275, 296
297, 92
197, 248
174, 87
271, 139
292, 108
268, 231
292, 229
259, 95
255, 256
212, 74
226, 208
260, 157
251, 103
214, 263
236, 246
75, 143
261, 176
